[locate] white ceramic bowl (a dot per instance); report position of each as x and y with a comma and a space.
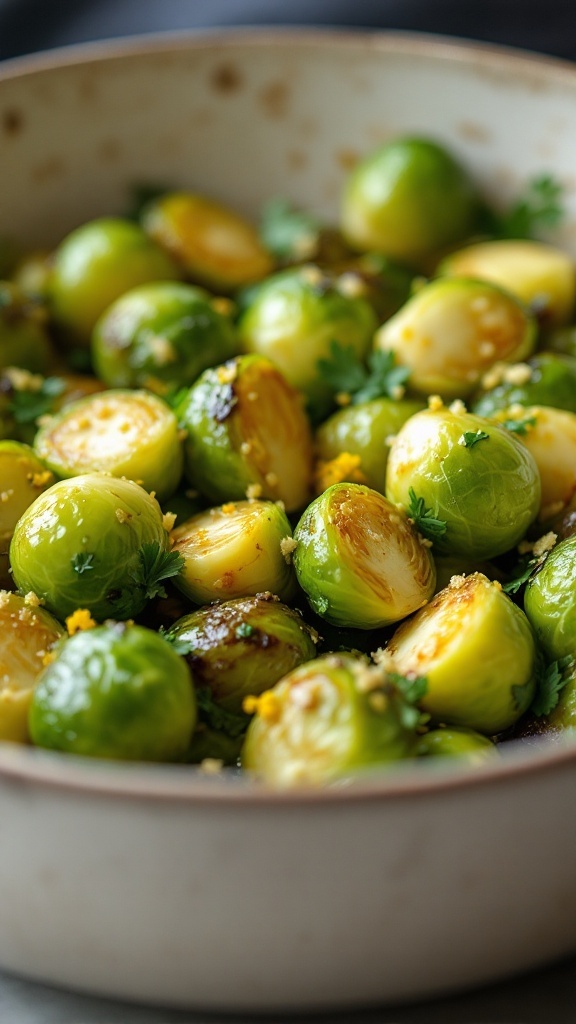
161, 885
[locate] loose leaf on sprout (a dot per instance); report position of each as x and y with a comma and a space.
177, 643
523, 573
551, 682
156, 565
471, 437
423, 518
520, 426
233, 725
541, 207
82, 562
345, 372
26, 406
288, 233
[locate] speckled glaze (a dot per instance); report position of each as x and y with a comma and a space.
163, 885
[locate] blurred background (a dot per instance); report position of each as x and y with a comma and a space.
30, 25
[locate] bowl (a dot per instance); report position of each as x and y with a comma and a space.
164, 885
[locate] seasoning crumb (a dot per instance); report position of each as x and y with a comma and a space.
253, 491
168, 520
31, 600
79, 620
226, 374
435, 403
287, 546
122, 516
229, 508
211, 766
457, 407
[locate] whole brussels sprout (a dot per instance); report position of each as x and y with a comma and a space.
130, 434
238, 550
22, 478
94, 265
27, 634
461, 743
550, 437
358, 559
550, 600
24, 341
469, 485
216, 246
92, 542
326, 720
293, 319
452, 331
247, 433
476, 649
118, 691
161, 336
408, 199
546, 379
539, 275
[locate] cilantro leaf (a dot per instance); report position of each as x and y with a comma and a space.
551, 682
520, 426
471, 437
345, 372
288, 233
541, 207
423, 518
82, 562
156, 564
233, 725
26, 406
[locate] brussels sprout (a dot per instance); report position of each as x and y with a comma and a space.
247, 432
461, 743
216, 246
475, 648
243, 647
386, 283
161, 336
118, 691
27, 633
293, 319
94, 265
22, 478
408, 199
23, 338
238, 550
452, 330
92, 542
469, 485
366, 431
328, 719
539, 275
359, 560
124, 433
546, 379
550, 600
550, 437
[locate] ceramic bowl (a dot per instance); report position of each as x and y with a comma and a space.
162, 885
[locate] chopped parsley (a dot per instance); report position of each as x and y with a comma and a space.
288, 233
233, 725
424, 519
26, 405
412, 688
521, 426
552, 680
346, 373
524, 571
156, 565
177, 643
540, 208
244, 630
471, 437
82, 562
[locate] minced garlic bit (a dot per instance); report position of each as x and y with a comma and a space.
227, 373
229, 508
540, 547
267, 706
517, 373
245, 448
271, 479
6, 495
344, 467
211, 766
4, 598
287, 546
168, 520
253, 491
41, 479
368, 677
457, 407
31, 600
23, 380
312, 275
252, 396
494, 376
435, 403
383, 659
79, 620
343, 398
122, 516
223, 305
351, 285
48, 657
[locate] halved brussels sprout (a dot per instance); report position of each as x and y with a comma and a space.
247, 431
130, 434
540, 275
476, 649
462, 743
27, 634
118, 691
550, 437
468, 484
546, 379
359, 560
550, 600
408, 199
365, 430
94, 265
327, 719
452, 330
161, 336
243, 647
92, 542
215, 245
238, 550
22, 478
293, 319
24, 341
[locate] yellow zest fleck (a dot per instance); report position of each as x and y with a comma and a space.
457, 407
287, 546
227, 373
344, 467
5, 496
42, 479
168, 520
435, 403
79, 620
48, 658
253, 491
267, 706
229, 508
122, 516
343, 398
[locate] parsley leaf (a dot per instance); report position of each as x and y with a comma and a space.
551, 682
541, 207
520, 426
471, 437
244, 630
288, 233
345, 372
27, 406
82, 562
524, 571
423, 518
412, 687
156, 564
217, 718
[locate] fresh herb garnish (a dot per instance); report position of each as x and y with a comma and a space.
552, 680
471, 437
288, 233
346, 373
82, 562
27, 405
412, 689
521, 426
524, 571
540, 208
156, 564
233, 725
424, 519
244, 630
177, 643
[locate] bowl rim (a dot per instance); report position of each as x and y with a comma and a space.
188, 784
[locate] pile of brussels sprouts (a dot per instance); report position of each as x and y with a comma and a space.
289, 496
